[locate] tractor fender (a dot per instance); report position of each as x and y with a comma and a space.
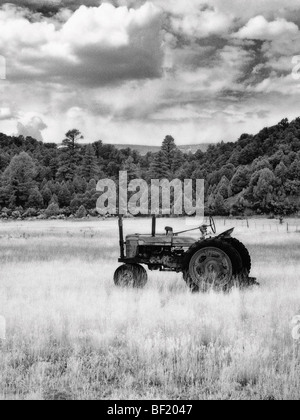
226, 234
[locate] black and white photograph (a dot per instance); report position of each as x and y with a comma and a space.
149, 203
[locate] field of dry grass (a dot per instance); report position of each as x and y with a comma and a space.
72, 335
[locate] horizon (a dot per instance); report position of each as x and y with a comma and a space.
131, 72
85, 141
180, 143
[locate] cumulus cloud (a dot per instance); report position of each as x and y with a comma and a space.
242, 10
202, 24
52, 6
94, 46
259, 28
131, 71
6, 114
31, 126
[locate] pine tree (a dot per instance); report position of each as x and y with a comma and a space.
281, 171
70, 187
294, 169
219, 205
47, 195
43, 184
80, 185
169, 150
64, 196
211, 201
54, 167
71, 140
4, 161
54, 199
240, 180
223, 187
159, 167
70, 156
35, 199
92, 185
178, 161
90, 167
19, 180
81, 213
133, 170
52, 210
265, 185
76, 202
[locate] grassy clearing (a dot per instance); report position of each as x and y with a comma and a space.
72, 335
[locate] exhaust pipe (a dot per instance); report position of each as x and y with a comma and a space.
153, 226
121, 236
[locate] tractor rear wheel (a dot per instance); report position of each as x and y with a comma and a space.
212, 265
244, 253
131, 275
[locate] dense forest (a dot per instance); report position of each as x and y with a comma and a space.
258, 174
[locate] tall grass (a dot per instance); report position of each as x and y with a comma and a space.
72, 335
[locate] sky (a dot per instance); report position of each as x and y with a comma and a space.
132, 72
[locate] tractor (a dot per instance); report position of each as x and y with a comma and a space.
214, 262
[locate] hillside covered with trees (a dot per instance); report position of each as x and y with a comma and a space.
256, 175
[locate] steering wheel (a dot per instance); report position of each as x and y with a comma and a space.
212, 225
203, 228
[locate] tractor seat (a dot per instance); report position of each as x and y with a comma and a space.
169, 231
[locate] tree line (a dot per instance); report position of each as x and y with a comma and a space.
257, 174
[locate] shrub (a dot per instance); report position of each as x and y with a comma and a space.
81, 213
42, 216
249, 213
16, 214
52, 210
35, 199
66, 211
6, 211
31, 212
75, 204
54, 199
93, 213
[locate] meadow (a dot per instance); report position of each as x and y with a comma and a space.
71, 334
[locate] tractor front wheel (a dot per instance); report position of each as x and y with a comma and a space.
131, 275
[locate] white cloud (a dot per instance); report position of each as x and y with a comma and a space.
103, 69
94, 46
31, 126
6, 113
286, 86
259, 28
17, 31
203, 24
105, 26
242, 10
